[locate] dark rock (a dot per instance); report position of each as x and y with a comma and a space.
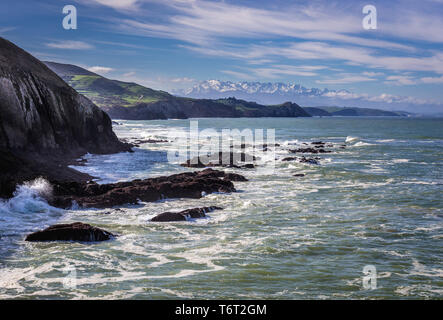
150, 141
221, 159
289, 159
71, 232
309, 160
309, 150
183, 185
184, 215
44, 123
299, 175
271, 145
234, 177
303, 160
318, 143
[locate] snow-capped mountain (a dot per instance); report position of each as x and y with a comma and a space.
265, 93
275, 93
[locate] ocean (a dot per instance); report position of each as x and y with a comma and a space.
376, 203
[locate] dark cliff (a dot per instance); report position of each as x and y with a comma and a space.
43, 120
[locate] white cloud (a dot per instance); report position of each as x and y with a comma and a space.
183, 80
432, 80
200, 22
400, 80
277, 71
346, 80
384, 98
6, 29
100, 70
129, 74
116, 4
322, 31
70, 45
238, 75
373, 74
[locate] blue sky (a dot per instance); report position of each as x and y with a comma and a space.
175, 43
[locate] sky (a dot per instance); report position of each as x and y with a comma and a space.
175, 44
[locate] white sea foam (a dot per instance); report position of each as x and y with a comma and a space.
400, 160
385, 140
362, 144
27, 209
350, 139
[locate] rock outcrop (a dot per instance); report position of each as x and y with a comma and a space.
71, 232
310, 150
183, 185
222, 159
184, 215
44, 122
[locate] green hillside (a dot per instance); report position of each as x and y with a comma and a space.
105, 92
353, 112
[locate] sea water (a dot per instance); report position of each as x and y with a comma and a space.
377, 202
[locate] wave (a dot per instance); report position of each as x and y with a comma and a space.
28, 197
350, 139
362, 144
26, 211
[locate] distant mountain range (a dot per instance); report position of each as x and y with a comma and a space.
353, 112
274, 93
261, 92
124, 100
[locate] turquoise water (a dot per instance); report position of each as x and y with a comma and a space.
376, 202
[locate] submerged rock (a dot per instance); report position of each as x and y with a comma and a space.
309, 150
299, 175
184, 215
151, 141
309, 160
222, 159
303, 160
71, 232
183, 185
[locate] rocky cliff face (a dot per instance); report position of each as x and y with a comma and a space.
43, 119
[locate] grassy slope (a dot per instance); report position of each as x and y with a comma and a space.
106, 92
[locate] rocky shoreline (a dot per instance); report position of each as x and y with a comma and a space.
45, 125
193, 185
183, 185
92, 195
